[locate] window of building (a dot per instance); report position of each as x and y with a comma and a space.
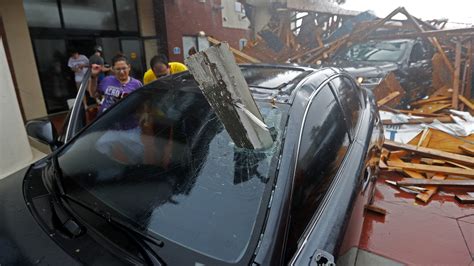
126, 14
42, 13
132, 49
238, 7
56, 78
111, 47
198, 42
92, 14
242, 43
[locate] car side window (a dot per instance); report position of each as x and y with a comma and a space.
324, 142
417, 53
350, 98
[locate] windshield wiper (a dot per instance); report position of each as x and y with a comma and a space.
62, 213
54, 183
138, 237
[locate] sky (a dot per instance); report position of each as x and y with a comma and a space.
456, 11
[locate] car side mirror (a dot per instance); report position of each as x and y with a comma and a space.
43, 131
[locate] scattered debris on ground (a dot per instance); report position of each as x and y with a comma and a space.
428, 129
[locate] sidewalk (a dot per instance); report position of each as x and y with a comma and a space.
36, 156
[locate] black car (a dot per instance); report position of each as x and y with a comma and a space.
369, 62
157, 180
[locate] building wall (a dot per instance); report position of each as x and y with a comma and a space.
233, 15
188, 17
146, 19
23, 60
15, 150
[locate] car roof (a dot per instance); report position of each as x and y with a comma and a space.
277, 83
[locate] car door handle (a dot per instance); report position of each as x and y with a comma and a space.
367, 178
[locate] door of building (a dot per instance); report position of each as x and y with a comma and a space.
57, 80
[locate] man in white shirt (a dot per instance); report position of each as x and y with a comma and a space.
78, 64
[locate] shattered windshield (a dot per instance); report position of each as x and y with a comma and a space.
390, 51
164, 160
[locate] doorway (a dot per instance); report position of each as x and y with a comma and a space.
83, 46
57, 79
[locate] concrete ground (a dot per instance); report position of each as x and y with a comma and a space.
359, 257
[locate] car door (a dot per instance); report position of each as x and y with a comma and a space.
43, 131
76, 118
323, 144
343, 166
366, 128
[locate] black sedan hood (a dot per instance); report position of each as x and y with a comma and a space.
29, 229
365, 68
22, 240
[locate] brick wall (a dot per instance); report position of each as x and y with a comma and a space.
188, 17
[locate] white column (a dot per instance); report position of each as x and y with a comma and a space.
15, 151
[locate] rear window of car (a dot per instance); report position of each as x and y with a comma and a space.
270, 78
164, 160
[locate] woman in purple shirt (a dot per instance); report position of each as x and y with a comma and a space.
122, 144
113, 88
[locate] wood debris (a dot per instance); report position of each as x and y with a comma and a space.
430, 182
465, 199
389, 92
468, 160
375, 209
432, 160
433, 156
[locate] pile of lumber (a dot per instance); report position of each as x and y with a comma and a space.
450, 86
435, 107
431, 161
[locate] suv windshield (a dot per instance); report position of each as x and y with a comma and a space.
163, 160
390, 51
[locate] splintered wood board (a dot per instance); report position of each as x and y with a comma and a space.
431, 168
388, 86
445, 142
430, 100
468, 103
226, 90
431, 182
428, 120
443, 91
410, 173
419, 113
431, 108
467, 150
425, 196
463, 159
466, 199
388, 98
441, 72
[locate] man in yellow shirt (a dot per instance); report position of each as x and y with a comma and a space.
159, 67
